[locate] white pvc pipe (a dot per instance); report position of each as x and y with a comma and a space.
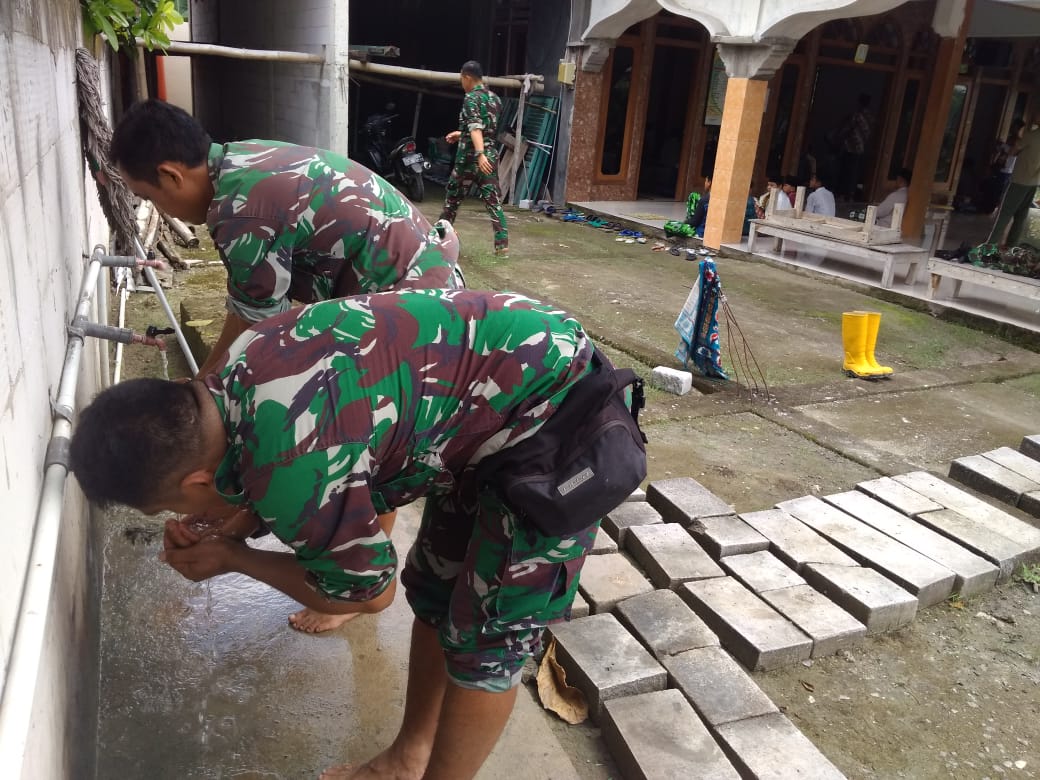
441, 77
124, 293
27, 648
269, 55
149, 274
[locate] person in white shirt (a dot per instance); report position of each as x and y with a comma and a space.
885, 208
821, 199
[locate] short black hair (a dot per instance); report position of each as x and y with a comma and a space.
133, 437
153, 132
905, 173
472, 69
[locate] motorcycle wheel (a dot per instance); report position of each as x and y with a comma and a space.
415, 187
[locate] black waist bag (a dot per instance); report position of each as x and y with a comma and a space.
584, 461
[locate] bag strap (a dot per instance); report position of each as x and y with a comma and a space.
620, 378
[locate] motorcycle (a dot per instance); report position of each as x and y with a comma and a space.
401, 163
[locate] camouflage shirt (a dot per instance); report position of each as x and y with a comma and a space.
294, 222
480, 111
340, 411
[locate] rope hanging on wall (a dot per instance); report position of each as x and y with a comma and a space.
95, 134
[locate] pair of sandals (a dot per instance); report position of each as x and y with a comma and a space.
630, 237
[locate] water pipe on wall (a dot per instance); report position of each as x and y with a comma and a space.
150, 276
30, 626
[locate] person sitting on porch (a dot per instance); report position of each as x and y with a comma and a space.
700, 217
821, 199
773, 192
898, 195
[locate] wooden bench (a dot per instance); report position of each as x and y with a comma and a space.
893, 258
1021, 286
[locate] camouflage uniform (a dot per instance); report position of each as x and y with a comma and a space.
343, 410
285, 219
480, 110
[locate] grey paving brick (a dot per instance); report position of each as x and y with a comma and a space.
868, 596
1030, 502
1017, 462
669, 555
756, 634
608, 579
986, 476
769, 747
603, 543
579, 607
727, 535
619, 520
637, 495
683, 500
664, 623
604, 661
1030, 446
761, 571
951, 497
973, 573
658, 736
1005, 553
794, 542
829, 626
898, 496
716, 685
922, 576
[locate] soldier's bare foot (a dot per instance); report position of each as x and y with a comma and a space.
386, 766
311, 621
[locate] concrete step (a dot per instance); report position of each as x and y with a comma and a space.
669, 555
604, 661
987, 476
794, 542
658, 736
829, 626
716, 685
769, 747
665, 624
727, 535
952, 497
875, 601
1030, 446
1005, 553
756, 634
922, 576
761, 571
619, 520
610, 578
972, 573
603, 544
898, 496
683, 500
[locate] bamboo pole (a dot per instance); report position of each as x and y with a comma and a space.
215, 50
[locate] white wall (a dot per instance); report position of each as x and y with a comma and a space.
302, 103
45, 226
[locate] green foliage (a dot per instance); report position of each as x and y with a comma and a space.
1030, 574
122, 22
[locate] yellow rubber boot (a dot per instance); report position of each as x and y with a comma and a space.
854, 338
873, 323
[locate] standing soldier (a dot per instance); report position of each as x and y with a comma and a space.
476, 158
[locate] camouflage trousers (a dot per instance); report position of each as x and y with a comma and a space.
462, 176
489, 583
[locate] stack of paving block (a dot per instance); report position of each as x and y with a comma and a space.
682, 598
1009, 476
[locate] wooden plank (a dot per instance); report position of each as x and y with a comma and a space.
984, 277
